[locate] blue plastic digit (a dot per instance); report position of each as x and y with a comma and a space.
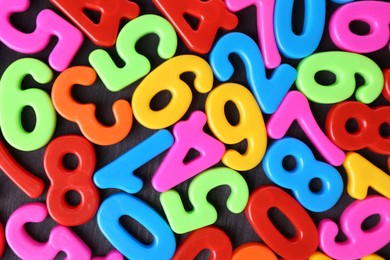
122, 204
298, 179
299, 46
120, 173
269, 93
342, 1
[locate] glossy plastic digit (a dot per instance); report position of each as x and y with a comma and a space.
48, 24
211, 15
359, 242
188, 134
61, 238
104, 32
30, 184
122, 204
13, 99
245, 129
136, 65
119, 174
319, 256
344, 66
269, 93
369, 121
84, 114
253, 251
302, 45
307, 169
2, 240
295, 106
211, 238
362, 175
63, 180
203, 212
166, 77
305, 241
373, 13
386, 88
265, 28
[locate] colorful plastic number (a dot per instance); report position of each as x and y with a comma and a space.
359, 242
136, 65
386, 88
362, 174
211, 238
13, 99
299, 46
48, 24
344, 66
305, 241
188, 134
61, 238
253, 251
368, 121
63, 180
265, 28
167, 77
373, 13
269, 93
204, 213
121, 204
298, 179
2, 240
84, 114
319, 256
119, 174
104, 32
254, 134
31, 185
295, 106
212, 15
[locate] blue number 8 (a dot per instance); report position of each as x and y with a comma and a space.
298, 179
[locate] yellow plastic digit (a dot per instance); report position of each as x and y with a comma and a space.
319, 256
363, 174
167, 77
250, 127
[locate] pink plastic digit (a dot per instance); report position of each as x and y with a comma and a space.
188, 134
61, 238
359, 242
265, 28
373, 13
48, 24
295, 106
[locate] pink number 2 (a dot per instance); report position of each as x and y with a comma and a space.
48, 24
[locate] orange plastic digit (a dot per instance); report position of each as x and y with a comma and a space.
64, 180
84, 114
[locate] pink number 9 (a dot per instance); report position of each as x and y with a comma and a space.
48, 24
359, 242
374, 13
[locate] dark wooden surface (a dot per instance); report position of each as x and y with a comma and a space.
236, 226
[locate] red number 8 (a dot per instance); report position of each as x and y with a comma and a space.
63, 180
367, 134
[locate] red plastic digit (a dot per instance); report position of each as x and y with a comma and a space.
211, 14
27, 182
305, 241
64, 180
211, 238
111, 12
367, 134
2, 240
386, 88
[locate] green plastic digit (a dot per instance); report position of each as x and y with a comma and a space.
136, 65
204, 213
13, 100
344, 65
